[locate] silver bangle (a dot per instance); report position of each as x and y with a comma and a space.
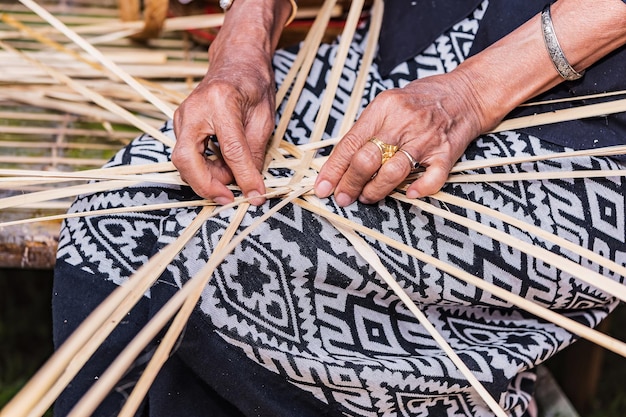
561, 64
225, 4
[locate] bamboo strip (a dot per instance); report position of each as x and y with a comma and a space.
50, 160
103, 212
42, 390
18, 200
576, 98
71, 58
188, 294
29, 115
97, 98
331, 84
527, 176
21, 71
369, 53
572, 326
77, 14
563, 115
537, 231
319, 145
584, 274
313, 40
40, 131
91, 50
487, 163
98, 173
48, 205
159, 178
373, 260
111, 36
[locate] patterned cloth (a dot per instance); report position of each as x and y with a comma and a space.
296, 323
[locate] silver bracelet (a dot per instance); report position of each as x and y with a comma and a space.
561, 64
225, 4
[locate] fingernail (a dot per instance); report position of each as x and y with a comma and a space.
343, 199
254, 198
222, 201
365, 200
412, 194
323, 189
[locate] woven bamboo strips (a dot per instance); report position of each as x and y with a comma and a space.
99, 99
366, 252
51, 161
110, 65
311, 43
96, 113
581, 112
120, 137
543, 234
592, 335
356, 8
42, 389
109, 22
584, 274
90, 64
376, 22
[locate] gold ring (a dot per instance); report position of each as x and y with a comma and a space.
414, 164
386, 149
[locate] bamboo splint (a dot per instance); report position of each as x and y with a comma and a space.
43, 388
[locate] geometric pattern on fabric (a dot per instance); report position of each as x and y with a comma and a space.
299, 301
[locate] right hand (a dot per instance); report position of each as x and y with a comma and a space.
235, 102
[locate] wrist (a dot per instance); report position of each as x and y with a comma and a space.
259, 22
483, 102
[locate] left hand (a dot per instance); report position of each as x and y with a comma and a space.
433, 119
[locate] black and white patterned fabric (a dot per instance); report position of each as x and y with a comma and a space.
295, 322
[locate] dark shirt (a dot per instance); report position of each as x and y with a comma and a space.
410, 26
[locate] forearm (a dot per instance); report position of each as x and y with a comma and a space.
518, 67
235, 102
256, 23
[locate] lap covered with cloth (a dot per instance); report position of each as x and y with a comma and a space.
294, 322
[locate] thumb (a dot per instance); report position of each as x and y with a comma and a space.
430, 182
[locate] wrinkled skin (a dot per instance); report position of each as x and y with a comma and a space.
428, 118
433, 119
235, 102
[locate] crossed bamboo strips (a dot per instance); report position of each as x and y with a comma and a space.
42, 390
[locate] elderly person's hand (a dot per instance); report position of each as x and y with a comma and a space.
234, 102
431, 121
434, 119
